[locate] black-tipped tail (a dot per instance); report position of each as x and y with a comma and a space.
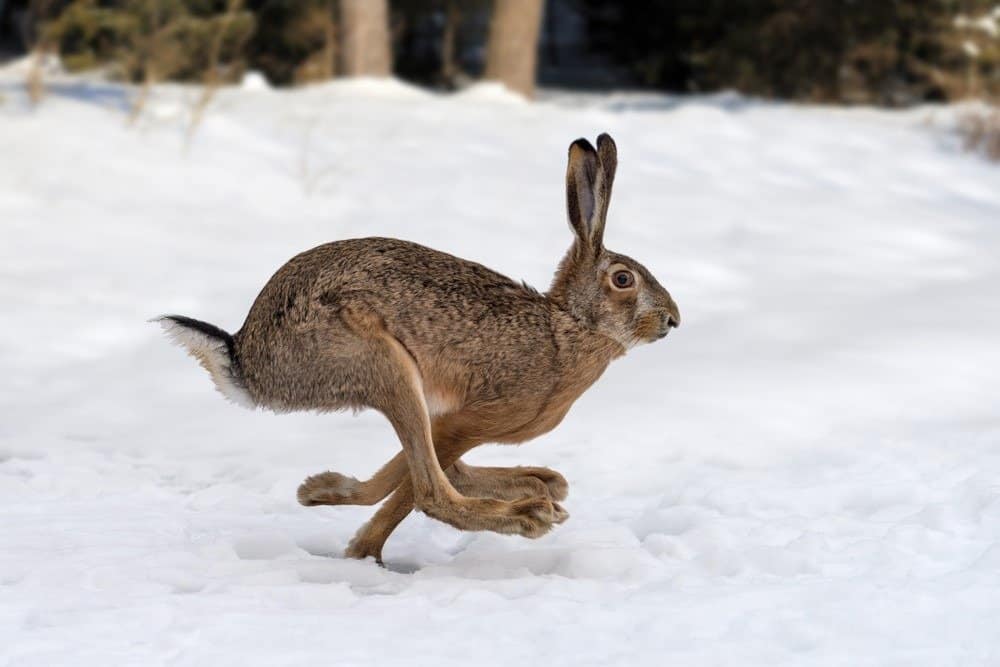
209, 330
214, 349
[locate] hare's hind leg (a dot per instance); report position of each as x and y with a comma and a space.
507, 483
511, 484
396, 390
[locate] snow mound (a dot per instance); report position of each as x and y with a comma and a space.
254, 80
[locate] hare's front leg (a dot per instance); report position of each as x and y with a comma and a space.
333, 488
397, 392
371, 537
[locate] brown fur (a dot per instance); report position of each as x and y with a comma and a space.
454, 355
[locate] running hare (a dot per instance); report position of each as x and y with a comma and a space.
452, 353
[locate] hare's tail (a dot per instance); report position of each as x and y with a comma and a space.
214, 349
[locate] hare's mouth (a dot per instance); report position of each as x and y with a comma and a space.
654, 325
669, 321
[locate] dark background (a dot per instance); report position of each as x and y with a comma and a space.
883, 52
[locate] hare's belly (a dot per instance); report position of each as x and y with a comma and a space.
441, 402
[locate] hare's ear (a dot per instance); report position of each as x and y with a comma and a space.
589, 178
607, 160
581, 195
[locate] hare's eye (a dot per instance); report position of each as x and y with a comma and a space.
623, 279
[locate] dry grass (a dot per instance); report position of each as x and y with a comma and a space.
980, 131
212, 79
35, 82
40, 47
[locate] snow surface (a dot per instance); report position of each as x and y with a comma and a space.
806, 472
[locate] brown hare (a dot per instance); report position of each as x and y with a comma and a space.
453, 354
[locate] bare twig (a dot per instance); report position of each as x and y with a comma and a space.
212, 79
150, 55
980, 131
40, 50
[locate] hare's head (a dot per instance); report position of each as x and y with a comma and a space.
611, 293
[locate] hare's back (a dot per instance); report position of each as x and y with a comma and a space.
448, 312
431, 298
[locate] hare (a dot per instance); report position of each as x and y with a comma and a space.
453, 354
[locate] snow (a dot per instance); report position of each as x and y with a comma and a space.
988, 23
806, 472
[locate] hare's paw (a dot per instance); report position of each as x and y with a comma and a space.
529, 517
536, 516
559, 513
360, 547
558, 487
328, 488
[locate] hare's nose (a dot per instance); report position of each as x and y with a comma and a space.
670, 321
672, 316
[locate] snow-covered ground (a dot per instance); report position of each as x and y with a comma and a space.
806, 472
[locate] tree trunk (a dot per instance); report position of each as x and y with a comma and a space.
449, 68
512, 50
365, 49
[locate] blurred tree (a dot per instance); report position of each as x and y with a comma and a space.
888, 52
154, 40
449, 63
439, 42
417, 39
975, 46
296, 40
213, 73
512, 47
365, 47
